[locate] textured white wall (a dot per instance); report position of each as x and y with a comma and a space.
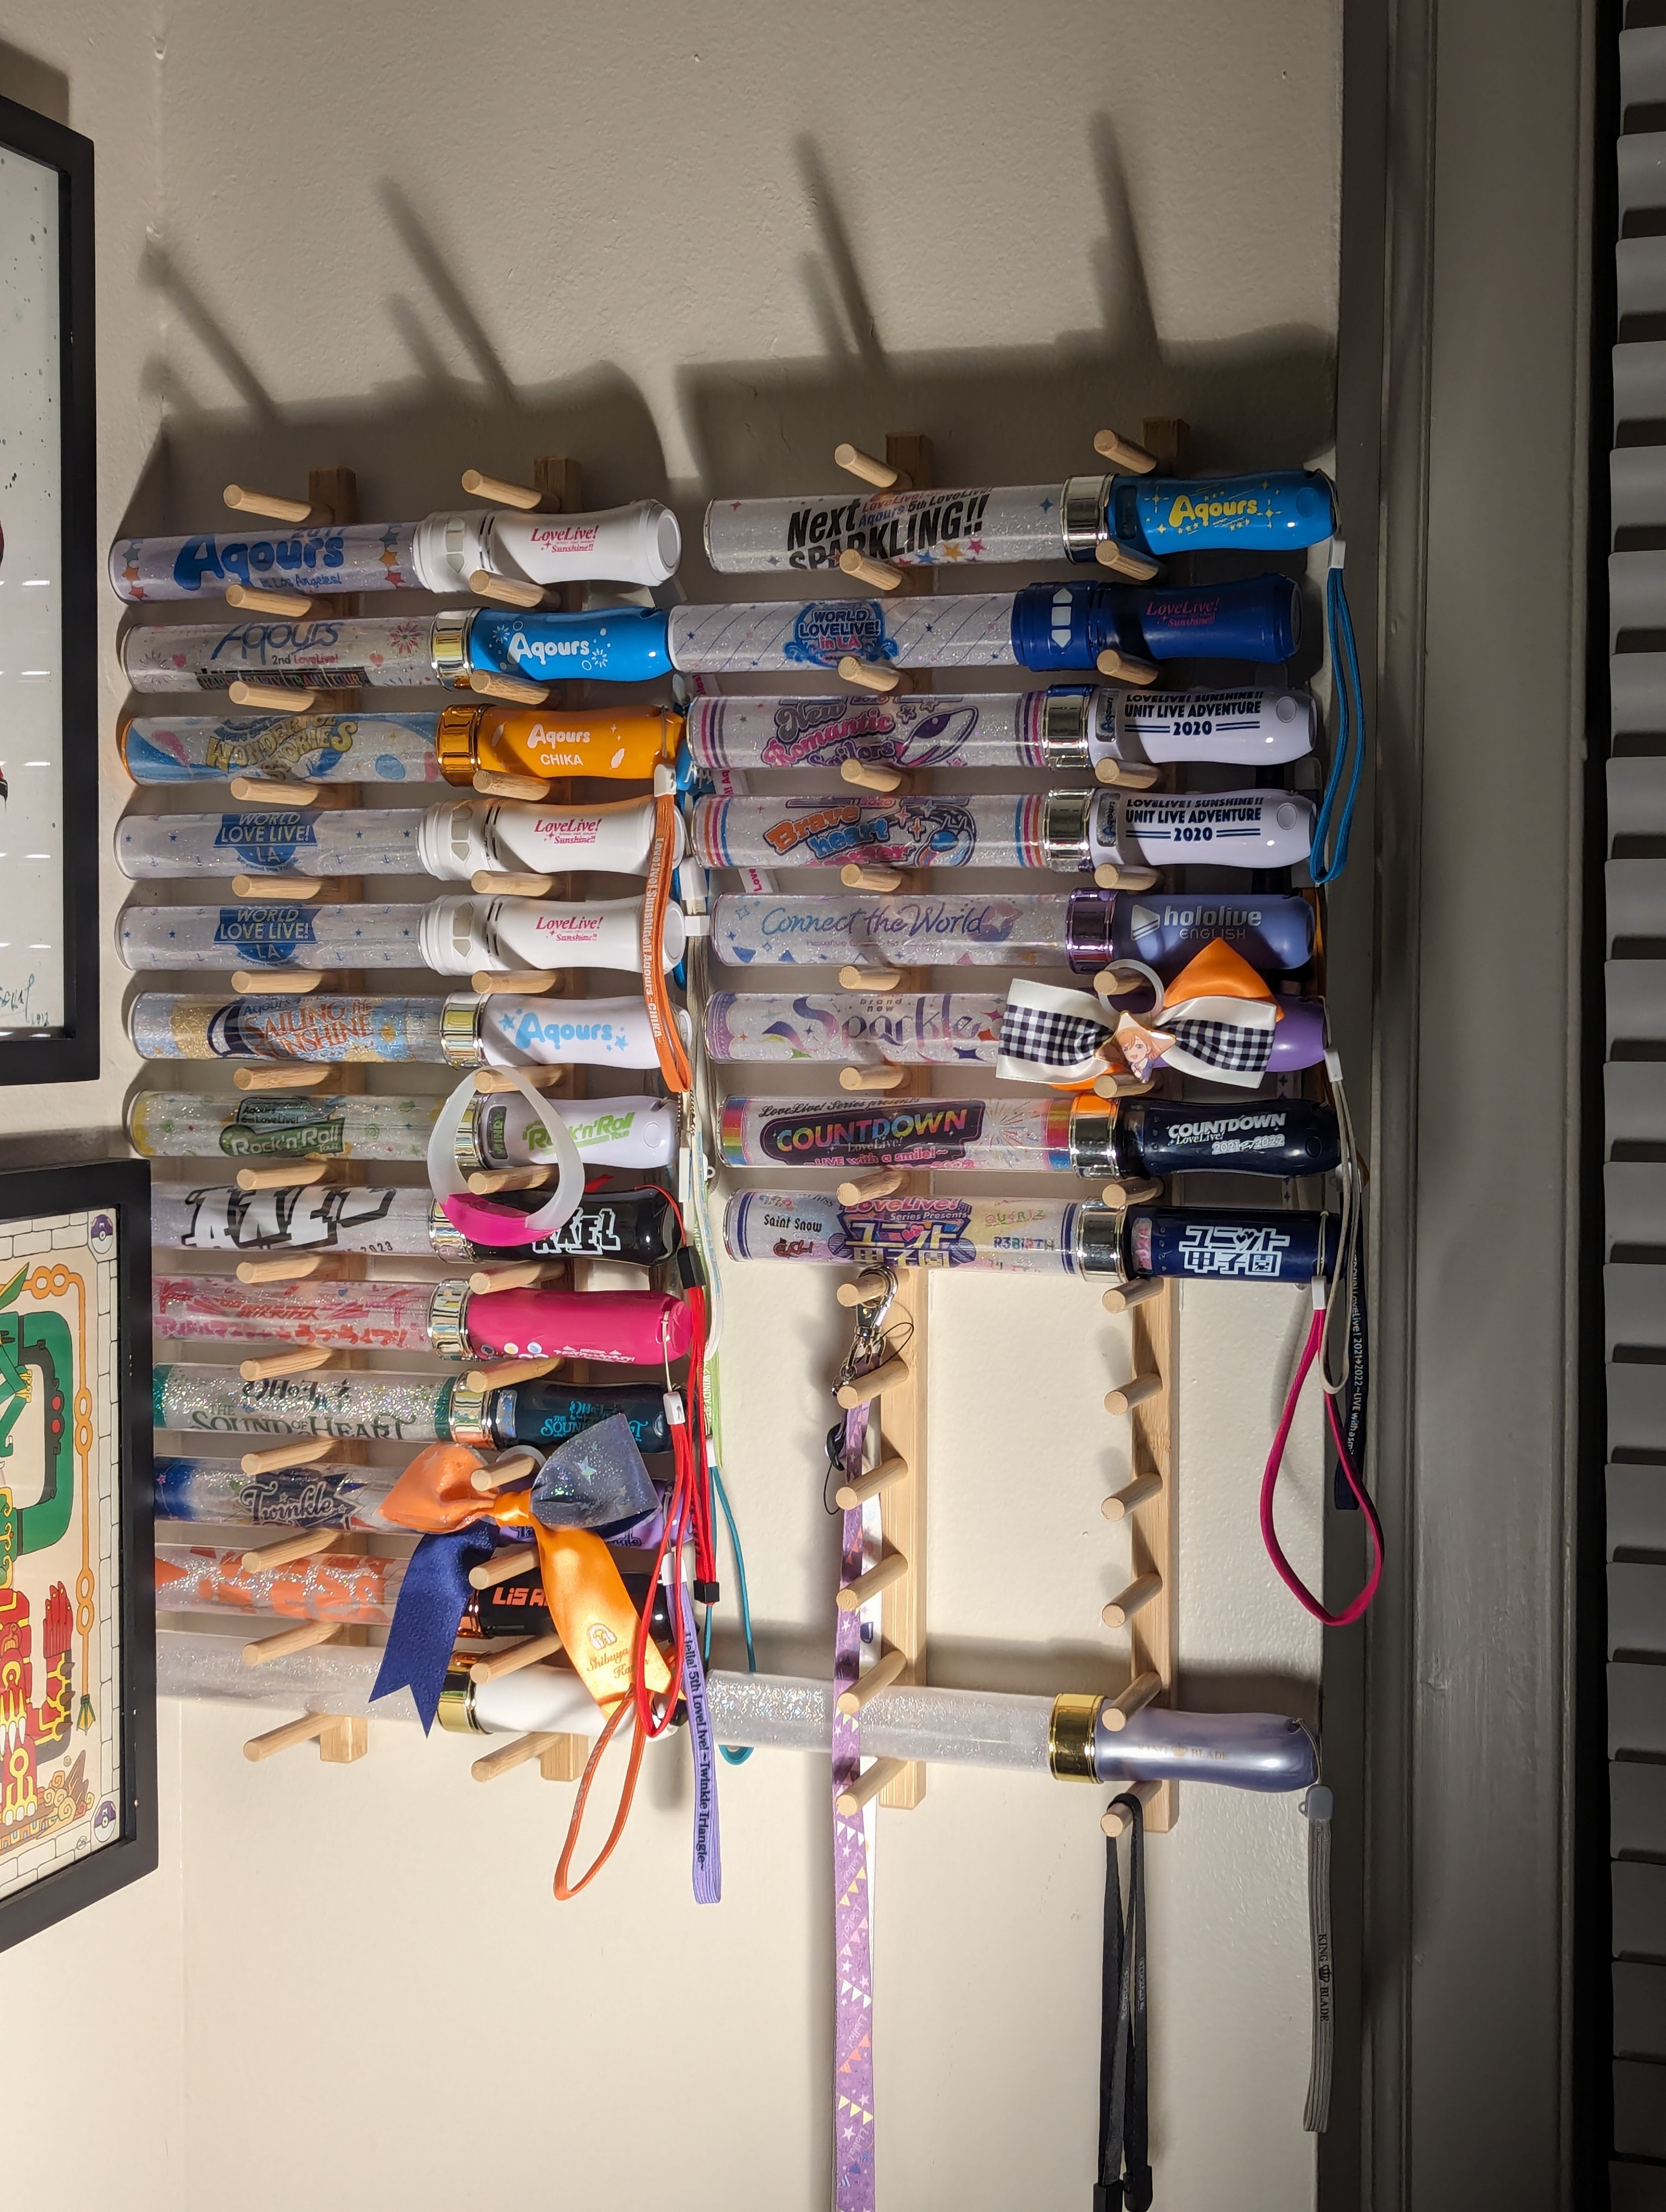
707, 241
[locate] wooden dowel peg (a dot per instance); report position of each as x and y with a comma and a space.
289, 605
288, 1267
879, 1578
487, 1181
508, 1756
871, 979
867, 676
514, 1657
501, 494
303, 1637
867, 1289
498, 1373
489, 684
1127, 775
1123, 1606
299, 1174
294, 1078
1116, 1820
861, 1387
490, 784
307, 1730
871, 776
873, 878
302, 1546
257, 791
243, 500
489, 1081
491, 884
1123, 560
1127, 667
284, 982
1131, 1190
274, 698
1119, 983
1133, 1393
879, 1777
1116, 1713
513, 983
870, 1078
1120, 1086
881, 474
341, 1738
863, 1187
289, 889
514, 1467
879, 1676
1131, 1497
852, 1494
519, 1275
878, 574
303, 1451
1113, 877
504, 1564
1123, 1298
1122, 454
506, 591
299, 1359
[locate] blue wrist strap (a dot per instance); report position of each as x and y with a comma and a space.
1329, 854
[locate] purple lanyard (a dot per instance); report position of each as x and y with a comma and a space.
707, 1841
853, 1963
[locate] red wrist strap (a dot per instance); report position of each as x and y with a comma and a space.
1269, 1483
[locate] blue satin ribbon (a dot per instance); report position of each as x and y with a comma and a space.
432, 1601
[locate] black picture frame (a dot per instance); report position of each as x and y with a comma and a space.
70, 1053
121, 1187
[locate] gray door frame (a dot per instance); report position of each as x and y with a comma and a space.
1463, 394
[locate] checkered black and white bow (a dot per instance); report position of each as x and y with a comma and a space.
1226, 1049
1059, 1037
1051, 1034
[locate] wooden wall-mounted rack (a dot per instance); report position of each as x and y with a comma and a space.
1148, 1606
332, 497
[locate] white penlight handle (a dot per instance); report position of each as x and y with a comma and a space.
636, 544
455, 840
1260, 726
1224, 829
630, 1132
586, 1032
460, 936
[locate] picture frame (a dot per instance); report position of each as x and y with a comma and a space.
49, 572
78, 1814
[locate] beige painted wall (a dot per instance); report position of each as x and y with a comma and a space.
696, 246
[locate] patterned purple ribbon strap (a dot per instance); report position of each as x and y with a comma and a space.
707, 1843
852, 1965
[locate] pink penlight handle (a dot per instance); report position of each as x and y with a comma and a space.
631, 1328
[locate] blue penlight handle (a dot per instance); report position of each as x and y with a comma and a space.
1279, 513
1069, 625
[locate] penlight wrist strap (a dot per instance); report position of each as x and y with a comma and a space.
852, 1875
1124, 2175
1269, 1483
1318, 1807
476, 1218
656, 994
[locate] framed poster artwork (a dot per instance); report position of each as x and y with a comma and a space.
49, 833
77, 1641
